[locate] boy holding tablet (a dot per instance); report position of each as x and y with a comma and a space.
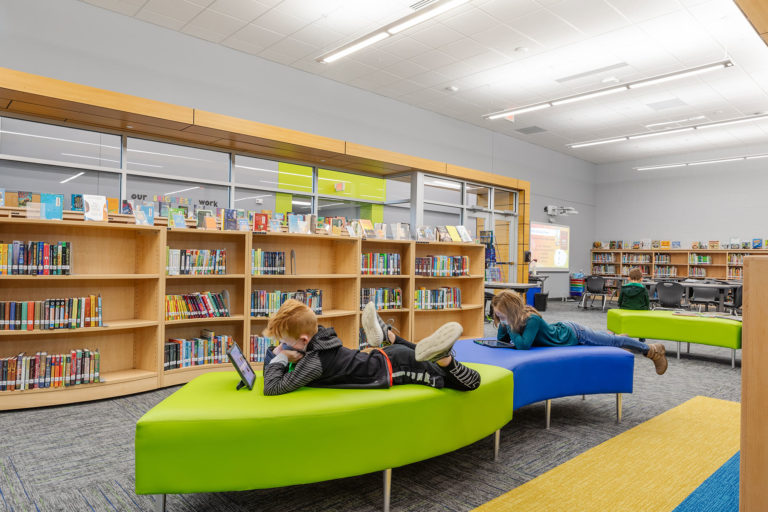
322, 361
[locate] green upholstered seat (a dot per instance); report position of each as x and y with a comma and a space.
207, 437
665, 325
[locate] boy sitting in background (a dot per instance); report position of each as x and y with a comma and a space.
321, 360
633, 295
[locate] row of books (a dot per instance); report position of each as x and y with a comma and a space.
663, 258
195, 261
384, 298
49, 314
197, 305
258, 348
666, 271
636, 258
44, 370
735, 273
603, 269
266, 303
733, 243
443, 234
207, 349
377, 263
441, 298
699, 259
35, 258
493, 274
697, 272
603, 257
736, 259
267, 263
645, 269
442, 266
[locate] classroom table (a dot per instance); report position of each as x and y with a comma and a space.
518, 287
722, 289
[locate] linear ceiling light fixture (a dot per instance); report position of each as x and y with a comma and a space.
404, 23
701, 162
611, 90
636, 136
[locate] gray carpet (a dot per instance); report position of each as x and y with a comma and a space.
80, 457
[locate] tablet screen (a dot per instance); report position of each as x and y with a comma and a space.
241, 365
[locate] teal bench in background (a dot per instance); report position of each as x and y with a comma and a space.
208, 437
665, 325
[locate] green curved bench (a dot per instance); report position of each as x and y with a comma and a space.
208, 437
665, 325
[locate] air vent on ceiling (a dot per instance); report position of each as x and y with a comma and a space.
591, 72
663, 105
529, 130
421, 4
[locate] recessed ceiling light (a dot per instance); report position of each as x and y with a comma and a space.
521, 49
701, 162
452, 88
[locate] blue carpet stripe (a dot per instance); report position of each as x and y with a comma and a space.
718, 493
86, 501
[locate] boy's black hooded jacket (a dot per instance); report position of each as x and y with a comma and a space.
328, 364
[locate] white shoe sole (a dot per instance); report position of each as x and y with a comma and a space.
371, 326
439, 342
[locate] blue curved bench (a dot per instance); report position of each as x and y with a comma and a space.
544, 373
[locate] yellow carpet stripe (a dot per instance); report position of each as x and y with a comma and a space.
652, 467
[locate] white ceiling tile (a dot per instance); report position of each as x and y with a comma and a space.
402, 87
160, 19
470, 23
349, 71
243, 46
591, 17
433, 59
319, 37
435, 35
463, 49
127, 7
214, 23
182, 10
505, 40
506, 11
406, 68
280, 22
256, 36
430, 79
246, 10
308, 11
374, 57
292, 48
639, 11
546, 29
404, 47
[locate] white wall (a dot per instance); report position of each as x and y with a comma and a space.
74, 41
707, 202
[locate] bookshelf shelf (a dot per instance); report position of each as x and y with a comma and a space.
330, 313
188, 369
450, 277
114, 325
465, 307
304, 276
382, 276
387, 311
206, 276
213, 320
80, 277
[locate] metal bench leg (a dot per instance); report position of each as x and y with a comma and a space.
688, 347
548, 411
496, 443
583, 397
678, 350
733, 358
618, 407
159, 503
387, 487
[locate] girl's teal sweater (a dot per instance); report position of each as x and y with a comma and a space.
538, 332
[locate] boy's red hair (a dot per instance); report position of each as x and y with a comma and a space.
292, 320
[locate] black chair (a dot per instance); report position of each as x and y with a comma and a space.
594, 286
670, 295
735, 306
652, 294
487, 307
704, 297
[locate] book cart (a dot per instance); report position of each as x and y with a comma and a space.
126, 265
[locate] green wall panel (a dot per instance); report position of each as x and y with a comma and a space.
294, 177
355, 186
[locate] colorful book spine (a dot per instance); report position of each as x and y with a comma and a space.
441, 298
195, 261
442, 266
35, 258
258, 348
196, 305
51, 314
42, 370
207, 349
384, 298
375, 263
267, 263
265, 303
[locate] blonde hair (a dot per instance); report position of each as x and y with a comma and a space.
292, 319
511, 304
635, 274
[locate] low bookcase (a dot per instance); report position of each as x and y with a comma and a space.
126, 265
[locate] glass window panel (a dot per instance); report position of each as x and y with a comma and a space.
445, 191
299, 204
398, 189
339, 208
503, 200
197, 195
50, 179
255, 200
397, 213
478, 196
184, 161
295, 177
337, 183
255, 171
477, 221
438, 215
51, 142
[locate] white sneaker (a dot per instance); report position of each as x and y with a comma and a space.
439, 344
370, 321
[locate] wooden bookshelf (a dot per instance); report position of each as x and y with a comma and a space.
126, 265
723, 264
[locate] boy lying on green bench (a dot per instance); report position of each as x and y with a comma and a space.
322, 361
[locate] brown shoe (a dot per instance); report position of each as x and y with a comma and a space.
657, 354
